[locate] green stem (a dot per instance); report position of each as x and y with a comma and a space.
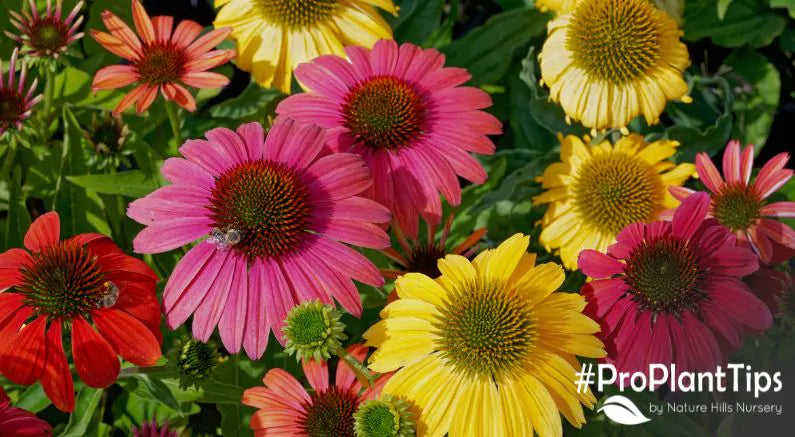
49, 91
173, 118
154, 370
363, 374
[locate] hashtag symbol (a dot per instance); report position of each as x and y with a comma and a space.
585, 377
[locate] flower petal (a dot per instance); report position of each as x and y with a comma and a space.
43, 232
94, 358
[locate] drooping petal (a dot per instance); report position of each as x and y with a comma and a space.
94, 358
56, 379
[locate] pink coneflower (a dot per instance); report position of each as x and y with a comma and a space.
670, 292
151, 429
741, 205
276, 212
160, 60
46, 35
15, 103
287, 409
406, 116
18, 422
776, 289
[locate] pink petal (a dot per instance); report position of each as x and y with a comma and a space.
771, 175
142, 23
736, 300
209, 40
205, 79
426, 61
778, 231
254, 138
761, 244
680, 193
149, 211
360, 60
689, 216
304, 143
731, 162
732, 261
212, 157
162, 236
721, 322
257, 331
747, 164
772, 183
602, 294
163, 26
708, 173
351, 209
347, 260
340, 175
706, 353
320, 81
445, 78
660, 350
384, 57
283, 297
309, 108
232, 326
356, 233
230, 142
406, 54
284, 384
186, 32
189, 273
182, 171
460, 99
339, 67
598, 265
208, 314
779, 209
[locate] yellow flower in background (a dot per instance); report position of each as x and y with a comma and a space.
608, 61
674, 8
595, 191
274, 36
489, 348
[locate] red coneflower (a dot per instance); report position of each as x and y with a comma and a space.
160, 60
59, 286
46, 35
742, 206
18, 422
15, 104
670, 292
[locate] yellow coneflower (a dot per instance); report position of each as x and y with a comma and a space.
274, 36
595, 191
608, 61
557, 6
488, 348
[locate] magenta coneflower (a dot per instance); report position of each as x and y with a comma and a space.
406, 116
286, 409
15, 103
18, 422
276, 212
670, 292
151, 429
741, 205
46, 35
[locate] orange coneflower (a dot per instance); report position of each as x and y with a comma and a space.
160, 59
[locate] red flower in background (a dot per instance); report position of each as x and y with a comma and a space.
18, 422
160, 59
670, 292
742, 205
63, 287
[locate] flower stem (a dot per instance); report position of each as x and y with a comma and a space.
154, 370
363, 374
49, 91
173, 118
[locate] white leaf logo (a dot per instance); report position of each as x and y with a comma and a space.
621, 410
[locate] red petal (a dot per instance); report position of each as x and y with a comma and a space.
598, 265
689, 215
23, 362
129, 336
43, 232
95, 360
57, 378
10, 261
111, 258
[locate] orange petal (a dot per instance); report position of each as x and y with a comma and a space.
205, 79
187, 31
163, 26
210, 60
114, 76
180, 95
208, 41
129, 99
146, 99
114, 45
121, 31
142, 22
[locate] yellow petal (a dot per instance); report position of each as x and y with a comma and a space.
505, 258
456, 271
419, 286
540, 281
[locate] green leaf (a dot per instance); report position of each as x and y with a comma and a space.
18, 220
85, 406
487, 52
33, 399
757, 85
159, 391
80, 210
417, 20
789, 4
253, 101
723, 5
132, 183
747, 22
